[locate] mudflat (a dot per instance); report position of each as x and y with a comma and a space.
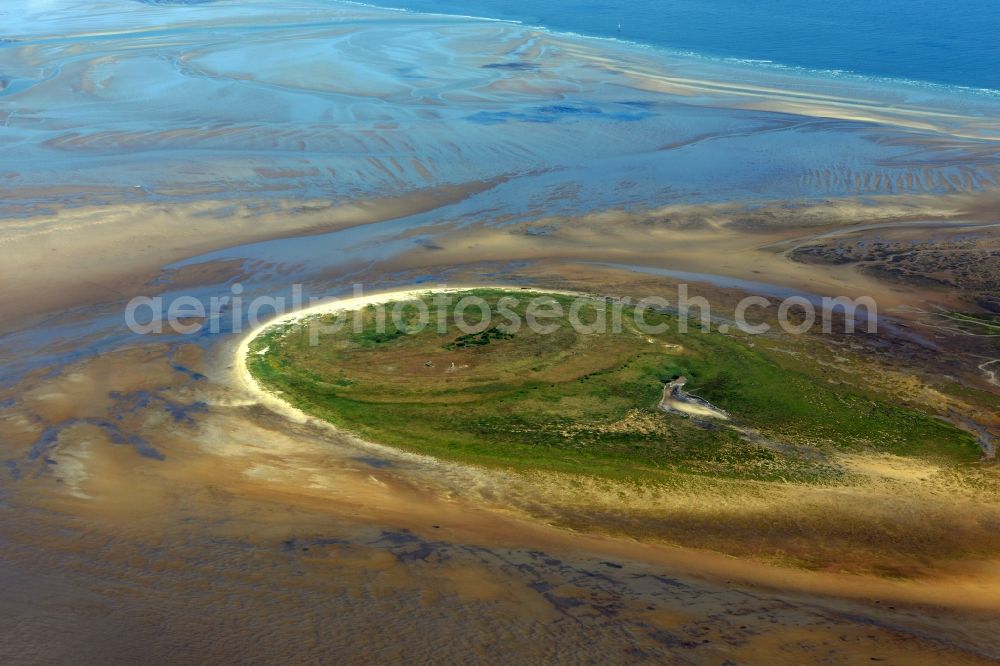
157, 500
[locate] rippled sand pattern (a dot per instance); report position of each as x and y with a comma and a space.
133, 101
152, 509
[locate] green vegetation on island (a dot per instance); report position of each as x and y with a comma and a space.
587, 403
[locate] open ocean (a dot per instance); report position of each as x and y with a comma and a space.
916, 40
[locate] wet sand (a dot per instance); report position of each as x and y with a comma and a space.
154, 506
404, 541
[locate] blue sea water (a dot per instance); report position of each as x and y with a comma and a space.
950, 43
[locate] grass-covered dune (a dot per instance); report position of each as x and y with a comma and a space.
587, 403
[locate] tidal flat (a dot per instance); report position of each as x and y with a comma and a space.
154, 506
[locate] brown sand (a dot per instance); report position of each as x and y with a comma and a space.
259, 538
